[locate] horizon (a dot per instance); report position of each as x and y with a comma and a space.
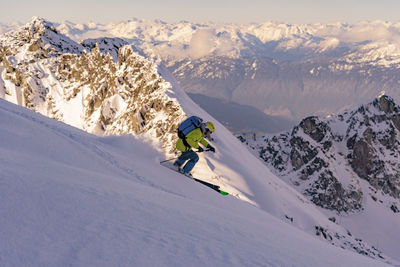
20, 23
222, 11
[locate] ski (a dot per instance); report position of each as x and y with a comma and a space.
210, 185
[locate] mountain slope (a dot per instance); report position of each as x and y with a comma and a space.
286, 88
70, 198
346, 164
239, 118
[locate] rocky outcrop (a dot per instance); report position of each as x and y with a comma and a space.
326, 158
314, 128
105, 45
115, 90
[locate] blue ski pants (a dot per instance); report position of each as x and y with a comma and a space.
185, 156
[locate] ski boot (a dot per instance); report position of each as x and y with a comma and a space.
178, 167
188, 174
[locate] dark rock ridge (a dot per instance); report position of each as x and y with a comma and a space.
329, 159
106, 45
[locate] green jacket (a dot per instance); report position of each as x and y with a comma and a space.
193, 138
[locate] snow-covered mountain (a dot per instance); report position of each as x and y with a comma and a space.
69, 198
51, 74
90, 90
347, 164
281, 69
287, 88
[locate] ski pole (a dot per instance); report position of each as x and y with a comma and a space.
168, 160
178, 157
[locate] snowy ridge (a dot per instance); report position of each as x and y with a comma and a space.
88, 90
37, 39
136, 96
346, 164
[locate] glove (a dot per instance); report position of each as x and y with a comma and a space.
200, 149
211, 148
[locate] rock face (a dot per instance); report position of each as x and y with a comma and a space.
329, 159
101, 86
106, 45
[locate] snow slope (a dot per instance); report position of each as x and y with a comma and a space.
71, 198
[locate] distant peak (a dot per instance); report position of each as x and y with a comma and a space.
382, 93
38, 20
39, 25
42, 39
386, 103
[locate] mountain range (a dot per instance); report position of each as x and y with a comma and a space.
90, 87
281, 69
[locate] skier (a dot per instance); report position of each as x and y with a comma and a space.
191, 140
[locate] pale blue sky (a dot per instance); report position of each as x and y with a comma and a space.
236, 11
